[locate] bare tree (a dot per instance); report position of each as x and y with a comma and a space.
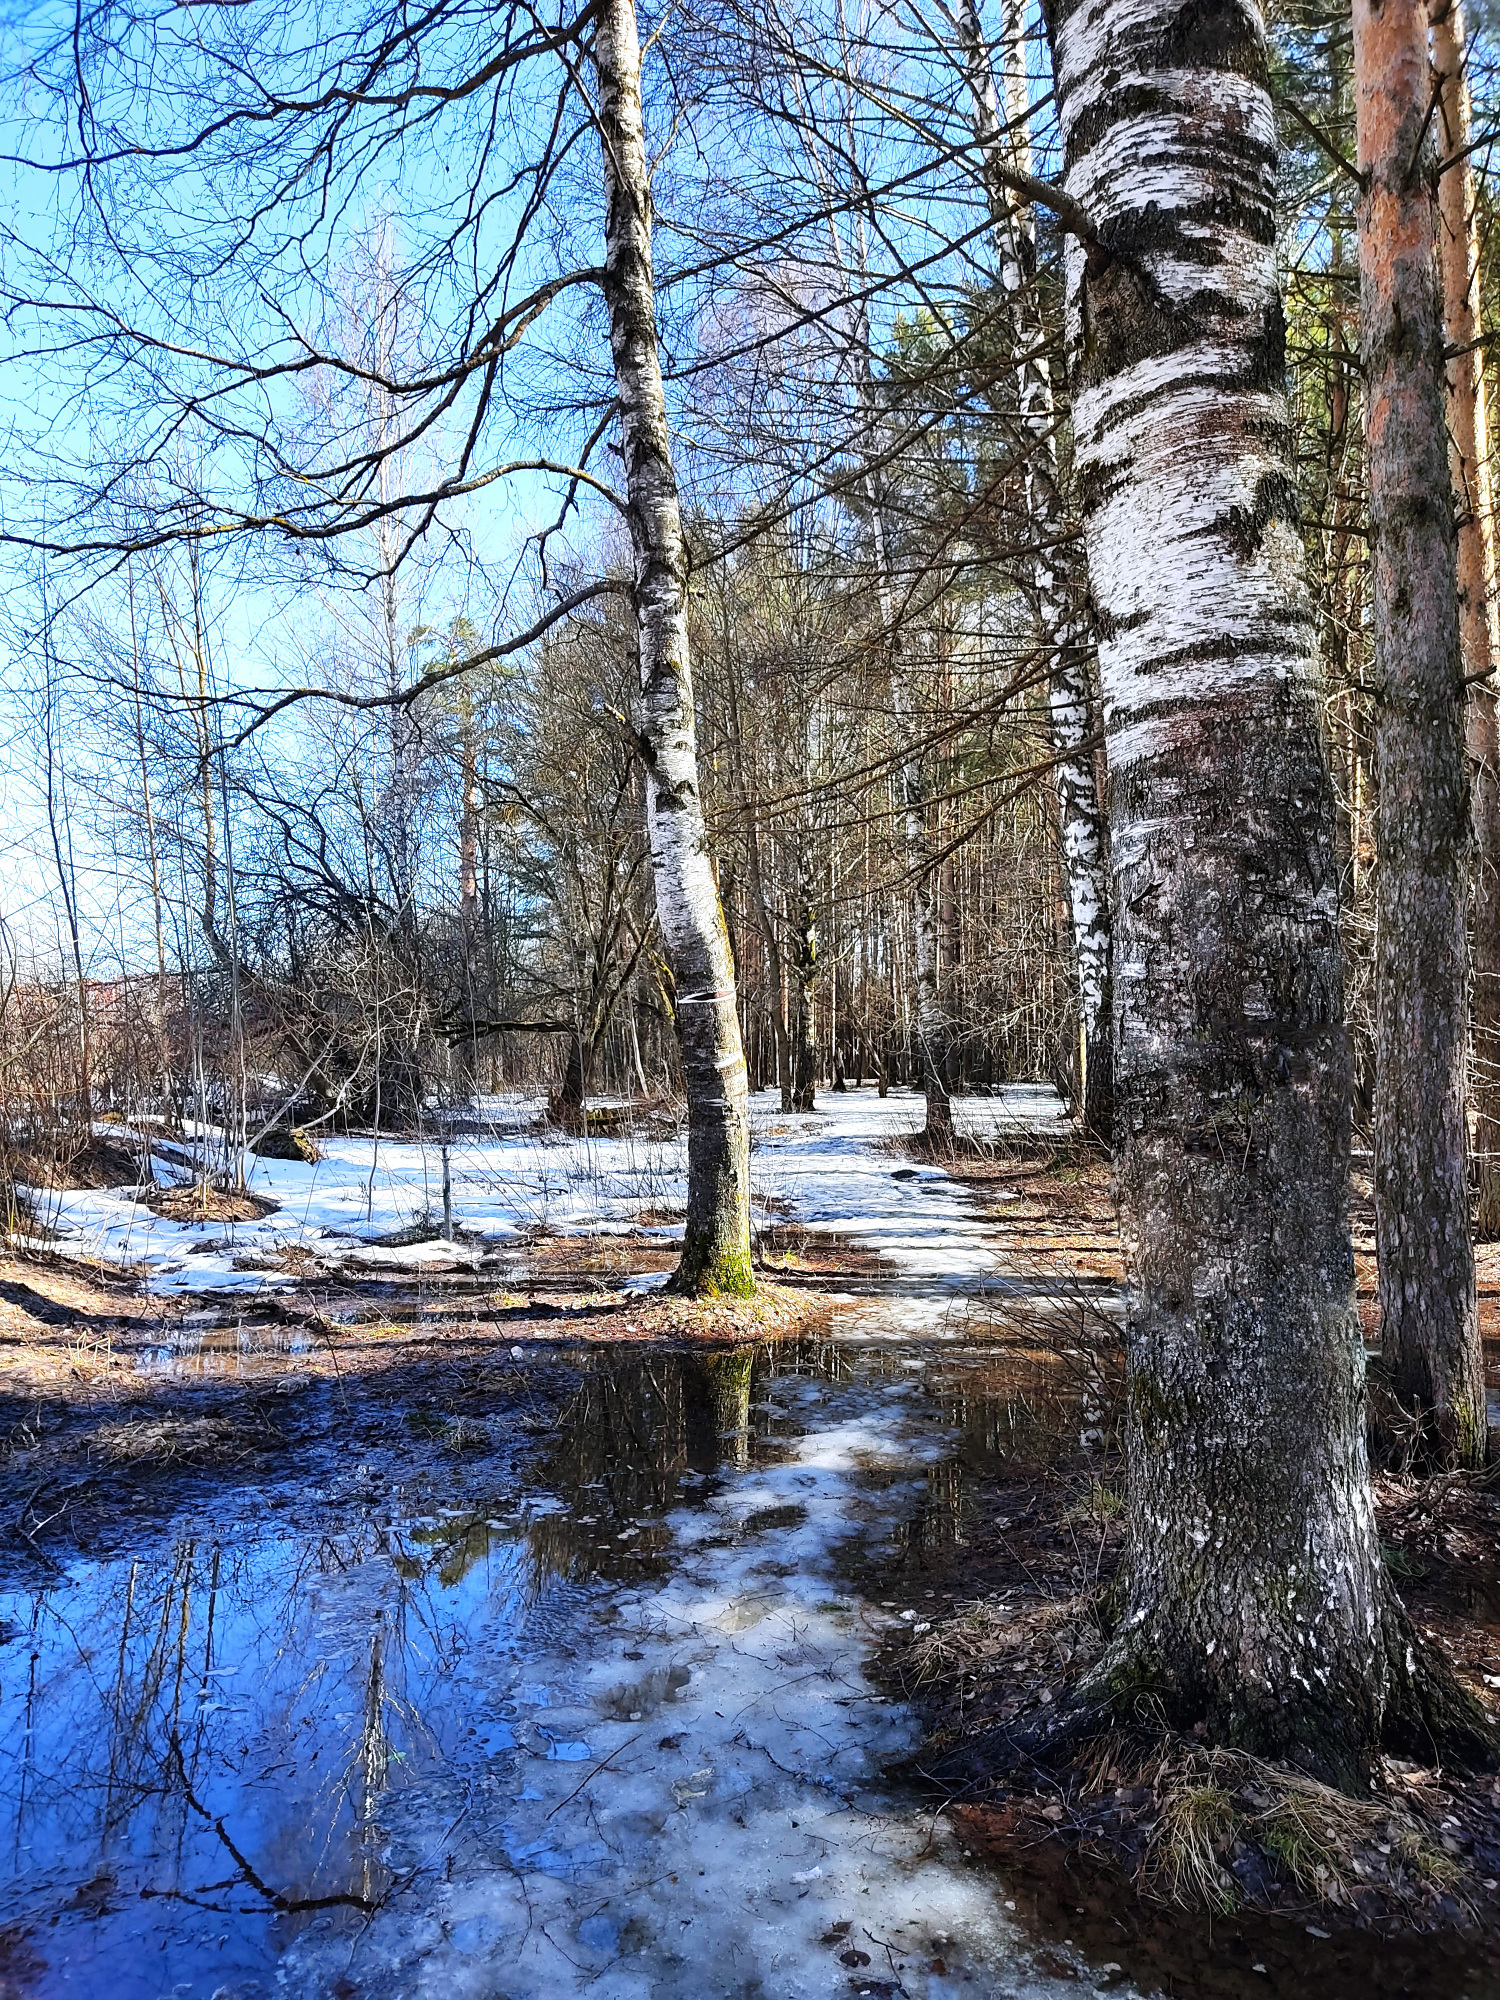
716, 1245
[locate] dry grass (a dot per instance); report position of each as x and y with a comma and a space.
981, 1641
774, 1311
1212, 1805
1198, 1828
179, 1440
201, 1201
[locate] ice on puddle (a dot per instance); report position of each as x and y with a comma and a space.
694, 1821
720, 1840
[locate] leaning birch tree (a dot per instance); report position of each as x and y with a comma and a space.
1255, 1601
716, 1247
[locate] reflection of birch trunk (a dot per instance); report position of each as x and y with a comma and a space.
716, 1244
1469, 462
716, 1404
372, 1765
1062, 623
1426, 1262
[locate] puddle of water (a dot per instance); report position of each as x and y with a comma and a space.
608, 1733
207, 1346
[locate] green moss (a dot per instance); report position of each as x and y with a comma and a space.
714, 1271
1471, 1437
1155, 1413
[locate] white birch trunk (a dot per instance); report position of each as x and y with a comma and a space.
1255, 1598
716, 1246
1061, 616
932, 1037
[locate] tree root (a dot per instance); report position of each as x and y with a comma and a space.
1429, 1713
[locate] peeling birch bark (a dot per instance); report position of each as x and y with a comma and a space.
716, 1245
1060, 596
1255, 1600
1429, 1323
1469, 461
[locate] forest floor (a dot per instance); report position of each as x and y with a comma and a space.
1188, 1864
338, 1601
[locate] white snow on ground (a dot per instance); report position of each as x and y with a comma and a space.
834, 1167
697, 1809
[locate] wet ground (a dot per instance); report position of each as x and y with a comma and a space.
333, 1665
578, 1707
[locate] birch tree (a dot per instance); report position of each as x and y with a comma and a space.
716, 1247
1427, 1300
1255, 1599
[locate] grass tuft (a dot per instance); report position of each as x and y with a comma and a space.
1199, 1827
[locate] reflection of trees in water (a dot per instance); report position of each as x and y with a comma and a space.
213, 1682
1010, 1412
119, 1757
633, 1429
627, 1437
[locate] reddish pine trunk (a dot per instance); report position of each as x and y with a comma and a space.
1428, 1318
1468, 455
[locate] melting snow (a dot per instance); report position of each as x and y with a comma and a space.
834, 1168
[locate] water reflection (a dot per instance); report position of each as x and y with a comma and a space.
201, 1750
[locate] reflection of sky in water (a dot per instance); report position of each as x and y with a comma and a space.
588, 1721
281, 1689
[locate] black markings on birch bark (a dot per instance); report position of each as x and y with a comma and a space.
1428, 1311
716, 1245
1255, 1596
1060, 597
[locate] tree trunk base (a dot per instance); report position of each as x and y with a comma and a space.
713, 1271
1428, 1715
938, 1129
